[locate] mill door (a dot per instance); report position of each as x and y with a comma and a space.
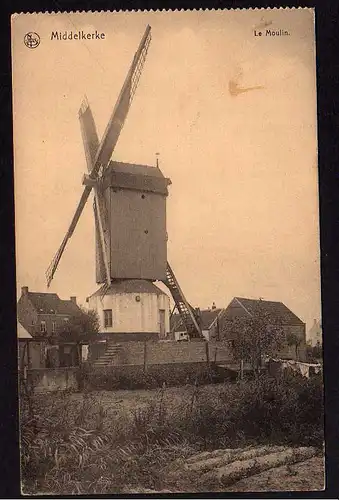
162, 333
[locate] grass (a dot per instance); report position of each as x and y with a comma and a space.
80, 445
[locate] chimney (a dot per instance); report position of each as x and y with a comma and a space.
214, 306
24, 290
74, 299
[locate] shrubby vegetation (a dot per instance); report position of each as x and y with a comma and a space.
254, 336
314, 353
81, 326
76, 445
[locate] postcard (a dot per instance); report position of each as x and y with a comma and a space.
167, 251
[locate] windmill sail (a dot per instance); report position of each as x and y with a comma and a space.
54, 264
89, 133
106, 147
91, 144
123, 104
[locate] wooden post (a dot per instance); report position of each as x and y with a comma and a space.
79, 353
241, 369
22, 355
208, 359
28, 356
207, 353
145, 356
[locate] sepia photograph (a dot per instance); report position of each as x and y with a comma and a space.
169, 329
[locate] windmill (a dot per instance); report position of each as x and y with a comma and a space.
129, 207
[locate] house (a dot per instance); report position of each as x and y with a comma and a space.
43, 315
215, 323
315, 334
31, 352
208, 320
292, 326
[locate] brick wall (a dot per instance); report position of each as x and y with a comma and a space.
176, 352
27, 314
158, 353
220, 352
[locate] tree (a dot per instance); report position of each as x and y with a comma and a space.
314, 353
293, 340
81, 326
254, 336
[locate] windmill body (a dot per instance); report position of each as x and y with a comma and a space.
130, 227
135, 197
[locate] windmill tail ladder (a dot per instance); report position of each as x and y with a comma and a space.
185, 310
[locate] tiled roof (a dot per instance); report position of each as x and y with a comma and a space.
22, 333
206, 318
133, 168
50, 303
68, 307
130, 286
277, 310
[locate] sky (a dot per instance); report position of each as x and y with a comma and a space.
242, 210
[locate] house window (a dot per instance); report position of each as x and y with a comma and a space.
108, 321
53, 326
43, 328
66, 320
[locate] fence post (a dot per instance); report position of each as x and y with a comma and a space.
208, 358
145, 356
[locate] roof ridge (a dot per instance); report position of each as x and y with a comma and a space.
278, 304
261, 300
131, 163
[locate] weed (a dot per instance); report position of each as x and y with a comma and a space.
72, 446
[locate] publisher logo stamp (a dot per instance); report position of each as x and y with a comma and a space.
32, 40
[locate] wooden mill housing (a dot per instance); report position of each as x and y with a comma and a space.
135, 197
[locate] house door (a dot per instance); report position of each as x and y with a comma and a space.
162, 334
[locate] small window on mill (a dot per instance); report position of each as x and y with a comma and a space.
108, 320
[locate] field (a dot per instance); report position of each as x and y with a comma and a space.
166, 439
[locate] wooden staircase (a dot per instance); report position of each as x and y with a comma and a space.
110, 356
185, 310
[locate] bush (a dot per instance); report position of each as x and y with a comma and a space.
134, 377
263, 410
